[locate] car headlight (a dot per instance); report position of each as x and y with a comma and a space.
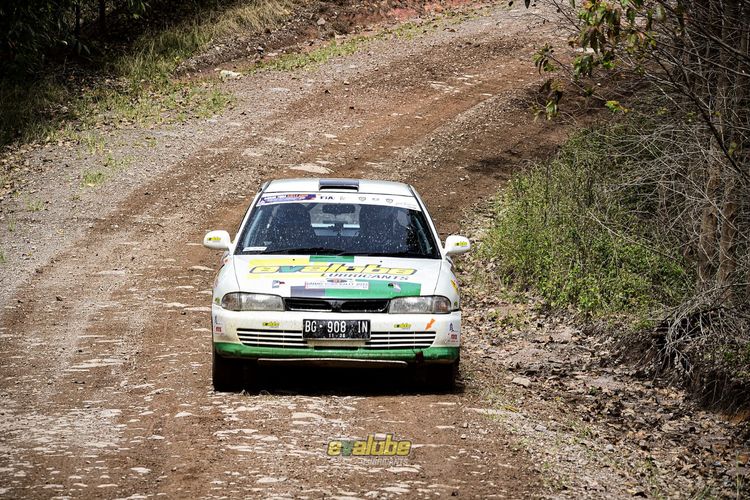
238, 301
420, 305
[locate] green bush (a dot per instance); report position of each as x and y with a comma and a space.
569, 230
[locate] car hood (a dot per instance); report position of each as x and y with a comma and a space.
336, 277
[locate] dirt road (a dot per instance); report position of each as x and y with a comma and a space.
106, 364
106, 388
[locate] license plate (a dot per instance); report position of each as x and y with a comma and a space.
335, 329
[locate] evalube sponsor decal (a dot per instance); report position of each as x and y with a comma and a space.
332, 269
369, 447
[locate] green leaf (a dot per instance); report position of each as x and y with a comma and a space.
615, 107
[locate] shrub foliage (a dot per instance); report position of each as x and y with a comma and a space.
571, 231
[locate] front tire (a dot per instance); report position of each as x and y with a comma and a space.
227, 373
441, 377
444, 376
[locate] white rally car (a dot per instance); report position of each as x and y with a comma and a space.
335, 272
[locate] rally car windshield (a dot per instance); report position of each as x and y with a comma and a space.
337, 229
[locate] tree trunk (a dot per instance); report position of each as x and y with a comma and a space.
709, 220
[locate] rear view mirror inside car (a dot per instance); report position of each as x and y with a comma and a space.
338, 209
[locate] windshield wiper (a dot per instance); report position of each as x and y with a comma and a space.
337, 252
391, 254
309, 250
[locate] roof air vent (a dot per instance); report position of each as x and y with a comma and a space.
338, 185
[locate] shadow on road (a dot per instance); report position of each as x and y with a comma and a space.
317, 381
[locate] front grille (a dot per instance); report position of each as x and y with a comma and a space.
400, 340
364, 305
293, 339
337, 305
295, 304
271, 338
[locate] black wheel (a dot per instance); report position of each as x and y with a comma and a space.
228, 374
438, 376
444, 376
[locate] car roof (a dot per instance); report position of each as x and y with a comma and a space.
317, 185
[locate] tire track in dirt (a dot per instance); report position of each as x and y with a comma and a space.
118, 370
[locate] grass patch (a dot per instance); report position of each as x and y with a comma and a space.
93, 178
34, 205
569, 231
156, 55
110, 165
293, 61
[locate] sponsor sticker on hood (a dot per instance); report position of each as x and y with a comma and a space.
338, 276
337, 284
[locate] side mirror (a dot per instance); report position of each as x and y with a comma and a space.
217, 240
456, 245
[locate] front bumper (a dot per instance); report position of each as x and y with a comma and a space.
428, 355
410, 338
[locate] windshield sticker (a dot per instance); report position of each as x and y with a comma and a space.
254, 249
337, 284
396, 201
285, 198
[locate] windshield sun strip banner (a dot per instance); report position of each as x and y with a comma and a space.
331, 258
353, 198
